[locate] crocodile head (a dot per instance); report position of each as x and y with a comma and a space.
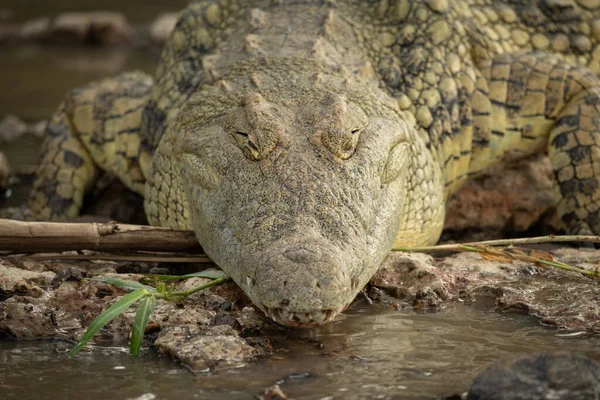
295, 187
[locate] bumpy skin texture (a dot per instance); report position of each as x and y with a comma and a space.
301, 140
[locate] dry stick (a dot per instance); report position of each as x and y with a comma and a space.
505, 242
141, 257
35, 237
479, 247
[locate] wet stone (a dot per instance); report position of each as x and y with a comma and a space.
202, 352
557, 376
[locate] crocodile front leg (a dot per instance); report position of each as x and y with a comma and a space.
98, 125
538, 101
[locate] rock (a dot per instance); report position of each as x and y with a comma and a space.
35, 29
510, 196
24, 317
11, 128
4, 172
161, 27
16, 281
201, 352
562, 299
49, 300
99, 27
413, 279
556, 376
274, 393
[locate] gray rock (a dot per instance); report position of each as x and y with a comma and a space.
200, 352
557, 376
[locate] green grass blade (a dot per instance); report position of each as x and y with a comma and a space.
117, 308
211, 274
139, 325
122, 283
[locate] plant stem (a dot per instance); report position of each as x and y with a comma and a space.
482, 248
122, 257
504, 242
176, 296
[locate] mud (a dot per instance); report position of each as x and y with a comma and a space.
218, 328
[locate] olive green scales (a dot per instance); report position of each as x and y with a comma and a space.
301, 140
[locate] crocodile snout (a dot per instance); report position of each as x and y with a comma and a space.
303, 281
303, 254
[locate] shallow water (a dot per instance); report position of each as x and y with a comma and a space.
35, 79
369, 353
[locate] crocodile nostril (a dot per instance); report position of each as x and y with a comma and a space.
303, 254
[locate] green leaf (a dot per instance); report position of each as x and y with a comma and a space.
139, 325
117, 308
122, 283
211, 274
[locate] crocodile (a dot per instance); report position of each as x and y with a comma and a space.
302, 140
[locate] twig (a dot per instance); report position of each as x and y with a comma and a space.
504, 242
488, 252
35, 237
121, 257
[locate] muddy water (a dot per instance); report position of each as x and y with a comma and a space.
368, 354
34, 79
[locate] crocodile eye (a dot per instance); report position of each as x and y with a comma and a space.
198, 171
397, 162
245, 140
258, 144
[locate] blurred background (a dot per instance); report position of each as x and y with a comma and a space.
49, 47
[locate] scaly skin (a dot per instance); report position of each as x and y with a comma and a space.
302, 140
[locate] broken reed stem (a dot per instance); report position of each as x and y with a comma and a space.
526, 258
36, 237
484, 248
121, 257
504, 242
